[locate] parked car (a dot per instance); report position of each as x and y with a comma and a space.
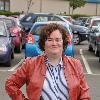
14, 28
60, 18
30, 18
80, 33
94, 22
89, 20
80, 21
32, 48
68, 18
6, 45
94, 40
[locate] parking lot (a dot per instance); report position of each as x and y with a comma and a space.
90, 63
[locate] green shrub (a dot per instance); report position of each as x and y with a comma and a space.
7, 13
74, 16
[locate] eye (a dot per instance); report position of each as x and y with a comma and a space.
58, 40
49, 39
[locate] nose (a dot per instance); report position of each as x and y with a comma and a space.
54, 42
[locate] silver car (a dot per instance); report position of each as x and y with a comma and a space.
94, 40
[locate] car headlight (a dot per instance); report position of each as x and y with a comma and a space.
75, 31
3, 48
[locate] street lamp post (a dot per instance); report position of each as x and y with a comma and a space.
40, 5
96, 8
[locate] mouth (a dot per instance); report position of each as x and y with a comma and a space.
54, 47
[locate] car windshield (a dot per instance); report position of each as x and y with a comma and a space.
2, 29
36, 29
96, 22
79, 28
98, 28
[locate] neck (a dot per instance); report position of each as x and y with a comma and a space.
54, 59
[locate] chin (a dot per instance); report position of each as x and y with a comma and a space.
55, 53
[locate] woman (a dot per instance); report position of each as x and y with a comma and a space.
51, 76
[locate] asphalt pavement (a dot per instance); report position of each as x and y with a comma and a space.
93, 79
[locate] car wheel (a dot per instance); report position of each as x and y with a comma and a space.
12, 55
8, 63
76, 39
18, 49
90, 47
96, 51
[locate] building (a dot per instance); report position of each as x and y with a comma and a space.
51, 6
4, 5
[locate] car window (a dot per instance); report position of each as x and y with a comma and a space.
96, 23
36, 29
9, 23
2, 30
28, 18
88, 20
42, 19
69, 30
56, 19
98, 29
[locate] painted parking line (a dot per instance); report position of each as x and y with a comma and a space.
92, 74
85, 63
14, 68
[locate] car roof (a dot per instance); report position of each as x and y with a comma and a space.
35, 14
63, 19
57, 22
96, 19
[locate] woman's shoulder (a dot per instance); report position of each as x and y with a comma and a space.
32, 62
75, 64
34, 59
72, 59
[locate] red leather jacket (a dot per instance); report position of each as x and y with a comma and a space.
33, 71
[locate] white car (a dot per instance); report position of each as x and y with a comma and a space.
94, 22
90, 20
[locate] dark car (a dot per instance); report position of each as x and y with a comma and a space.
28, 20
80, 33
81, 21
6, 45
94, 40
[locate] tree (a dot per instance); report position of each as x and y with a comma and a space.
75, 4
29, 4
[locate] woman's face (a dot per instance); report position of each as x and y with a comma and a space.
54, 43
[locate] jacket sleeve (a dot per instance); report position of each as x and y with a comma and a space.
84, 88
16, 81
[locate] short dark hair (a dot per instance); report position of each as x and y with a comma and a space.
46, 32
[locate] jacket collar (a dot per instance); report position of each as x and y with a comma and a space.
43, 64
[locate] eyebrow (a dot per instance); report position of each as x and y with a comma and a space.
53, 38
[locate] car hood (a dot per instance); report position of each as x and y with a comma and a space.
4, 40
79, 28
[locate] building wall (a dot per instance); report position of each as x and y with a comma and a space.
53, 6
